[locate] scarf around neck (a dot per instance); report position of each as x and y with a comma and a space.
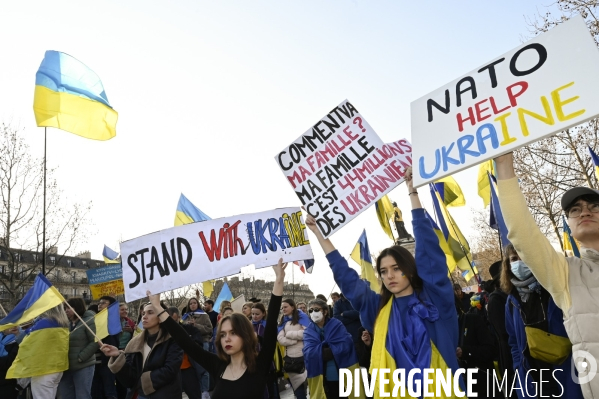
304, 320
526, 287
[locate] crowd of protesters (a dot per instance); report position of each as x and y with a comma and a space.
510, 329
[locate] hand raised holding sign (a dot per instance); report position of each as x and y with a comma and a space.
325, 243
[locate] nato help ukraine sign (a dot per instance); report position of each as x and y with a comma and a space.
542, 87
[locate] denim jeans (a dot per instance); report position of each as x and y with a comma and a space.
76, 384
203, 376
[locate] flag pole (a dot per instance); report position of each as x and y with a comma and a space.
84, 323
44, 213
458, 238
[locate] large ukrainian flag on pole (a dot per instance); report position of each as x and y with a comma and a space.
44, 350
70, 96
40, 297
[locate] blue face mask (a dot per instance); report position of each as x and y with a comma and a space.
520, 270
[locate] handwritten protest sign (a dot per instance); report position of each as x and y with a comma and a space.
339, 167
191, 253
107, 280
544, 86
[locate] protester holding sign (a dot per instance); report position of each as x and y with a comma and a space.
413, 318
570, 281
238, 371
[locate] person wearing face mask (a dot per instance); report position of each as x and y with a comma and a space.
327, 348
291, 336
413, 318
529, 305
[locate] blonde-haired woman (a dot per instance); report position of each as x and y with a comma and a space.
46, 385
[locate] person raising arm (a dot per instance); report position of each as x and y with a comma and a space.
237, 368
572, 282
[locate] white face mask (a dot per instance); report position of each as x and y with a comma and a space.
316, 316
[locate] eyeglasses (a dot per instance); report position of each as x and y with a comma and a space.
576, 210
314, 310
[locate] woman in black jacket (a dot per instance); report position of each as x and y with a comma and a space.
151, 362
239, 372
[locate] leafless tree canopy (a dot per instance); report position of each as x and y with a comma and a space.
21, 214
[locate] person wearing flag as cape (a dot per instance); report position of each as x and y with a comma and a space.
413, 317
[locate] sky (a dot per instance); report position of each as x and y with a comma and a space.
209, 92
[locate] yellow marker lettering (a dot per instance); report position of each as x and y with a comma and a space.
287, 223
506, 134
548, 118
302, 226
558, 103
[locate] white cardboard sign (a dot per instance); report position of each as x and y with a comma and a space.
183, 255
542, 87
340, 167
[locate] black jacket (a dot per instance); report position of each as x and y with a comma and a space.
160, 376
8, 387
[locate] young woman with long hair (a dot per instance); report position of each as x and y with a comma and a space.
530, 305
150, 364
239, 371
413, 317
291, 336
199, 319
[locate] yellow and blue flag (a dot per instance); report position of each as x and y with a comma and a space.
44, 350
108, 321
450, 191
188, 213
110, 256
208, 287
361, 255
484, 191
456, 242
384, 212
496, 220
595, 159
41, 296
70, 96
225, 295
570, 243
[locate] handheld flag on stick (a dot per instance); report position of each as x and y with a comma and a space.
188, 213
71, 97
40, 297
496, 220
457, 244
44, 350
361, 254
225, 295
450, 191
110, 256
484, 191
570, 243
595, 159
108, 321
384, 212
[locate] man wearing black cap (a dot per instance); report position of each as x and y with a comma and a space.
572, 282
